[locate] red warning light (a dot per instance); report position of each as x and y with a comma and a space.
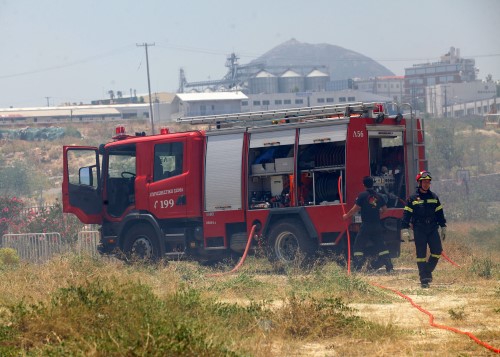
120, 130
164, 131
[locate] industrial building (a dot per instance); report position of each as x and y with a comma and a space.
459, 99
450, 69
387, 86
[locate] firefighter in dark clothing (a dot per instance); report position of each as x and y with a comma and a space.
372, 205
424, 212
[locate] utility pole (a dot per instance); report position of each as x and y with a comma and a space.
445, 103
48, 103
145, 45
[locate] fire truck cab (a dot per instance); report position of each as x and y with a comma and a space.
290, 173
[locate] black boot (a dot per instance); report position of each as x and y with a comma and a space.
388, 266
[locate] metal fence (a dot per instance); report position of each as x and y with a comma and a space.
40, 247
87, 243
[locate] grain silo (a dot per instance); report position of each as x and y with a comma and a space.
316, 81
291, 82
263, 82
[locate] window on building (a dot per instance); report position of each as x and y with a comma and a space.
342, 99
321, 100
351, 99
329, 100
244, 103
287, 101
256, 102
265, 102
278, 102
299, 101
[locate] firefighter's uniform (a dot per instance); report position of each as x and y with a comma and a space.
371, 231
424, 211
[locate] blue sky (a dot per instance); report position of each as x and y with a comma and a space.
76, 51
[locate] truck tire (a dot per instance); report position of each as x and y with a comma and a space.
141, 243
288, 242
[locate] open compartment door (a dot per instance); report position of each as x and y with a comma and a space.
81, 187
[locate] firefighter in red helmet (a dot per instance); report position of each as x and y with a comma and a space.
424, 212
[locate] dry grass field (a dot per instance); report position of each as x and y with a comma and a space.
76, 305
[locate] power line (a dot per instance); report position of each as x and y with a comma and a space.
70, 64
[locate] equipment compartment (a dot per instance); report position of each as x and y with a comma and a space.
320, 166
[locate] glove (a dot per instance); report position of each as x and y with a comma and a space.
442, 234
405, 234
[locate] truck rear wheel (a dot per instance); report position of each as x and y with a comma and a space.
141, 243
289, 242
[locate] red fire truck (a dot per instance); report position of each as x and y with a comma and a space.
290, 173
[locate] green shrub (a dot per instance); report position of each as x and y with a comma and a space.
8, 257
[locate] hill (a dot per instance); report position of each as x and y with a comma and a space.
342, 63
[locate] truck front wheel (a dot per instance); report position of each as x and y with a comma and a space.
288, 242
141, 243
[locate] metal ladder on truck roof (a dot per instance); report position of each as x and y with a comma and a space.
289, 115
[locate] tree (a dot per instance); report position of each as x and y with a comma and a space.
15, 180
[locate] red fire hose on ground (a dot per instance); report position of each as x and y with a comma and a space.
432, 323
346, 228
242, 259
449, 260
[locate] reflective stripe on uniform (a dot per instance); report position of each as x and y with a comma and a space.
417, 203
432, 200
408, 209
437, 256
356, 254
384, 252
439, 208
420, 260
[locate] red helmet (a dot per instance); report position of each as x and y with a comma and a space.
423, 175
